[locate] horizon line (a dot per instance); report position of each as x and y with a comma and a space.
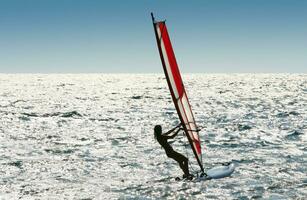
145, 73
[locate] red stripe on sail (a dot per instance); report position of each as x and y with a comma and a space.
198, 148
171, 58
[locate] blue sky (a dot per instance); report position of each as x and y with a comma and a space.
209, 36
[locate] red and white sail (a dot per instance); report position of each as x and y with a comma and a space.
177, 89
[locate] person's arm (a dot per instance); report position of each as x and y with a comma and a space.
197, 130
174, 135
172, 130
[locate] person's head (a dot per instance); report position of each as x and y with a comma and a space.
158, 130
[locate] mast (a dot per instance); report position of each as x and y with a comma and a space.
153, 18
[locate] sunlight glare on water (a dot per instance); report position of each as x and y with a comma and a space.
90, 136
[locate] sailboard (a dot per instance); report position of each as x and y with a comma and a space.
181, 101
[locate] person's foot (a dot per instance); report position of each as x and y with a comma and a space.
203, 174
177, 179
188, 176
226, 164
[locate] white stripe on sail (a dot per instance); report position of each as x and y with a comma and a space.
190, 126
167, 64
182, 111
189, 114
187, 108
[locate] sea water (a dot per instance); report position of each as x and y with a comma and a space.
90, 136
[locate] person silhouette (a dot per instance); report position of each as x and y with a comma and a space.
162, 140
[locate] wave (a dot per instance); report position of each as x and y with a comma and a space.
24, 118
30, 114
17, 163
243, 127
71, 114
60, 151
104, 119
287, 114
60, 114
12, 104
136, 97
294, 135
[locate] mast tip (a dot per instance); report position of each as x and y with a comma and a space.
152, 17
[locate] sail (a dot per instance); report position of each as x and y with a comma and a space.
177, 89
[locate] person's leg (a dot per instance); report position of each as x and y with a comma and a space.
185, 165
182, 161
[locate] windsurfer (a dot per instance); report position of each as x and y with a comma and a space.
162, 139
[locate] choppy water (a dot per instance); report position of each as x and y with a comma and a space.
91, 136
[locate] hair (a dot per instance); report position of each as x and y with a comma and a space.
157, 130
